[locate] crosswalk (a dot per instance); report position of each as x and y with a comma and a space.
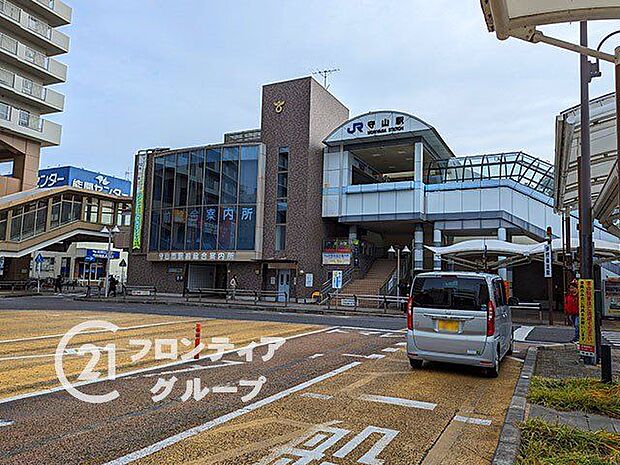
612, 337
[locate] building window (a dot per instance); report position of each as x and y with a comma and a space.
282, 198
205, 199
5, 111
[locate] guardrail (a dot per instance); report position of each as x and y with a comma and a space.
142, 291
246, 295
14, 285
529, 306
355, 301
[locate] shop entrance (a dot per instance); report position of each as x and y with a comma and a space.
284, 285
201, 276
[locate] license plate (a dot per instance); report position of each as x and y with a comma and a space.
448, 326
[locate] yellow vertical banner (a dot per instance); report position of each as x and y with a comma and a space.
587, 334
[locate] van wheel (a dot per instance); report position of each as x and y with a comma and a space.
493, 372
415, 363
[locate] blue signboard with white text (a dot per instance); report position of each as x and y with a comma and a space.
83, 179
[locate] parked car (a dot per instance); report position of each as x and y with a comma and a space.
459, 317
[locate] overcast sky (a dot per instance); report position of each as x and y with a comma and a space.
148, 73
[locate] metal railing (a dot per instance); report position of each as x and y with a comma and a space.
355, 301
139, 291
10, 10
13, 285
8, 43
36, 58
30, 121
39, 27
245, 295
33, 89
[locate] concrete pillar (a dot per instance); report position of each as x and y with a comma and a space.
352, 232
437, 243
418, 248
502, 236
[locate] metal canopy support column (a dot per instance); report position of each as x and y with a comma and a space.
437, 243
502, 236
418, 248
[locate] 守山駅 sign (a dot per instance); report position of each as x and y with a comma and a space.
587, 332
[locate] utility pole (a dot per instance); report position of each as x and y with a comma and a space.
548, 265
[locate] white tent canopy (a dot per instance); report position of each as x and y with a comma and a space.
496, 247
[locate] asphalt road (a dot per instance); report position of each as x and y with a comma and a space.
68, 303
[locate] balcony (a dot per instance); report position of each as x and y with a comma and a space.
55, 12
24, 124
32, 28
30, 93
50, 71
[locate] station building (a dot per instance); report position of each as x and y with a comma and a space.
313, 190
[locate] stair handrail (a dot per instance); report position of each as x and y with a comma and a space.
389, 284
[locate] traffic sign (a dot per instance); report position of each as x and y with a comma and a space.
548, 261
123, 263
39, 259
89, 259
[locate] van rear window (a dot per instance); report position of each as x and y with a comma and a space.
452, 293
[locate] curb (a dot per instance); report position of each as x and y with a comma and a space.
510, 437
263, 308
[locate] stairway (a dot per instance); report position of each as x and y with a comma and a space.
370, 284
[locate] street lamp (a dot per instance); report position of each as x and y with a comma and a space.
397, 251
110, 233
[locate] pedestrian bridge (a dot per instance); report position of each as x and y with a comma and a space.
52, 218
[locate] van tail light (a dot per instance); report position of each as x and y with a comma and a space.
410, 313
490, 318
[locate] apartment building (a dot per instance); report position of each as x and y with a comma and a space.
30, 42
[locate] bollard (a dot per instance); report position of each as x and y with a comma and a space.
606, 375
197, 341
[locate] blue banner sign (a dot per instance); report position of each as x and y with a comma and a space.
97, 253
83, 179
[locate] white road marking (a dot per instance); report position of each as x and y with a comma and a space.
398, 401
126, 328
472, 421
67, 352
515, 358
225, 363
333, 331
370, 333
314, 395
6, 423
368, 357
400, 336
145, 452
401, 344
391, 349
380, 330
146, 370
521, 334
316, 356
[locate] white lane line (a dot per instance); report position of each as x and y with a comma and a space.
391, 349
316, 356
521, 334
368, 357
145, 452
126, 328
398, 401
472, 421
334, 331
399, 336
159, 367
380, 330
67, 352
314, 395
401, 344
224, 363
515, 358
6, 423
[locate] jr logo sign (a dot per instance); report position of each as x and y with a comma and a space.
356, 127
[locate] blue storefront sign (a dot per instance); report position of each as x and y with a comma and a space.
83, 179
98, 253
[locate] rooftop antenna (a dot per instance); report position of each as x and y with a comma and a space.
325, 73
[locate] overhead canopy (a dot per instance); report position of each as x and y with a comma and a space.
506, 17
388, 125
602, 249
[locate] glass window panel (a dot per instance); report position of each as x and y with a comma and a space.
280, 237
3, 230
158, 179
281, 212
181, 181
282, 185
196, 177
55, 215
41, 221
227, 229
154, 239
65, 215
166, 230
76, 212
248, 180
283, 159
16, 228
212, 177
92, 210
179, 221
107, 212
249, 152
194, 225
209, 227
28, 224
246, 228
168, 185
230, 175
